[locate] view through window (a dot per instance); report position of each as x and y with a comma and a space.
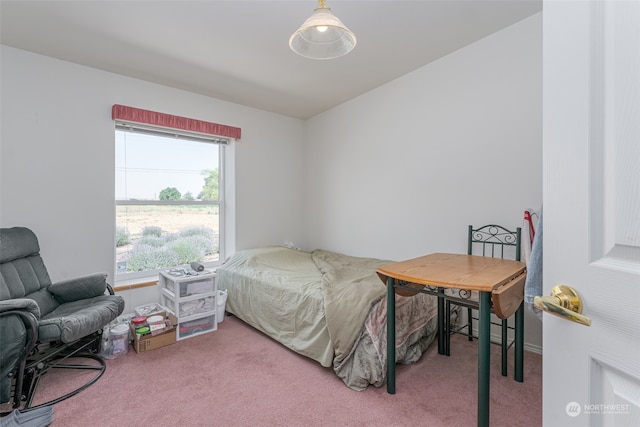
168, 200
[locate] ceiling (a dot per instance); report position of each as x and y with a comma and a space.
238, 50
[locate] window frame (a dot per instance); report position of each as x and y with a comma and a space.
221, 142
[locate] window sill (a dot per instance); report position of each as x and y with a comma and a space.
140, 282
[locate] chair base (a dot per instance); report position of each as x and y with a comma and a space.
504, 343
53, 358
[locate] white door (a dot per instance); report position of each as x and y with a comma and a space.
591, 209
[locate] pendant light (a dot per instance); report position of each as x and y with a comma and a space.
322, 36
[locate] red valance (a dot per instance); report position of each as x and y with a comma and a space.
138, 115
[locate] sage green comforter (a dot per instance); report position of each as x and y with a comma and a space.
326, 306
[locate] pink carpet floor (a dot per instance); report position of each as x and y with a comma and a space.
237, 376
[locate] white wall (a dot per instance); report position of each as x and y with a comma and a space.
398, 172
401, 171
57, 155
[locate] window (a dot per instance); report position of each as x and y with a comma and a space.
169, 199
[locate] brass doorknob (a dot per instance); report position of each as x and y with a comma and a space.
564, 302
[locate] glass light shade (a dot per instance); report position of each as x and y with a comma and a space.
322, 36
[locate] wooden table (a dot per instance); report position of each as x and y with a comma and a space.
433, 274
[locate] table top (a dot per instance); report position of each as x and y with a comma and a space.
472, 272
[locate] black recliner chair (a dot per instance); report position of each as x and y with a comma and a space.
44, 324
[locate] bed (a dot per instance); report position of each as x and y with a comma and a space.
326, 306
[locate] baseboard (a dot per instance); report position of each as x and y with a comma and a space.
496, 335
527, 346
533, 348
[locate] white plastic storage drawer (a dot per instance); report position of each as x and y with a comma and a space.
198, 326
184, 286
189, 306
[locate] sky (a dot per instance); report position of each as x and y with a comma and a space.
146, 164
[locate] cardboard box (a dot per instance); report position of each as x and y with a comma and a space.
148, 342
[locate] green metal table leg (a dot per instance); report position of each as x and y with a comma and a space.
484, 357
504, 344
518, 373
442, 340
391, 336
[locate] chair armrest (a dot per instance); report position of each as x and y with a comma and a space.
18, 338
29, 312
20, 304
80, 288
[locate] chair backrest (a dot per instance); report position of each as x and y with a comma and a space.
494, 241
22, 270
